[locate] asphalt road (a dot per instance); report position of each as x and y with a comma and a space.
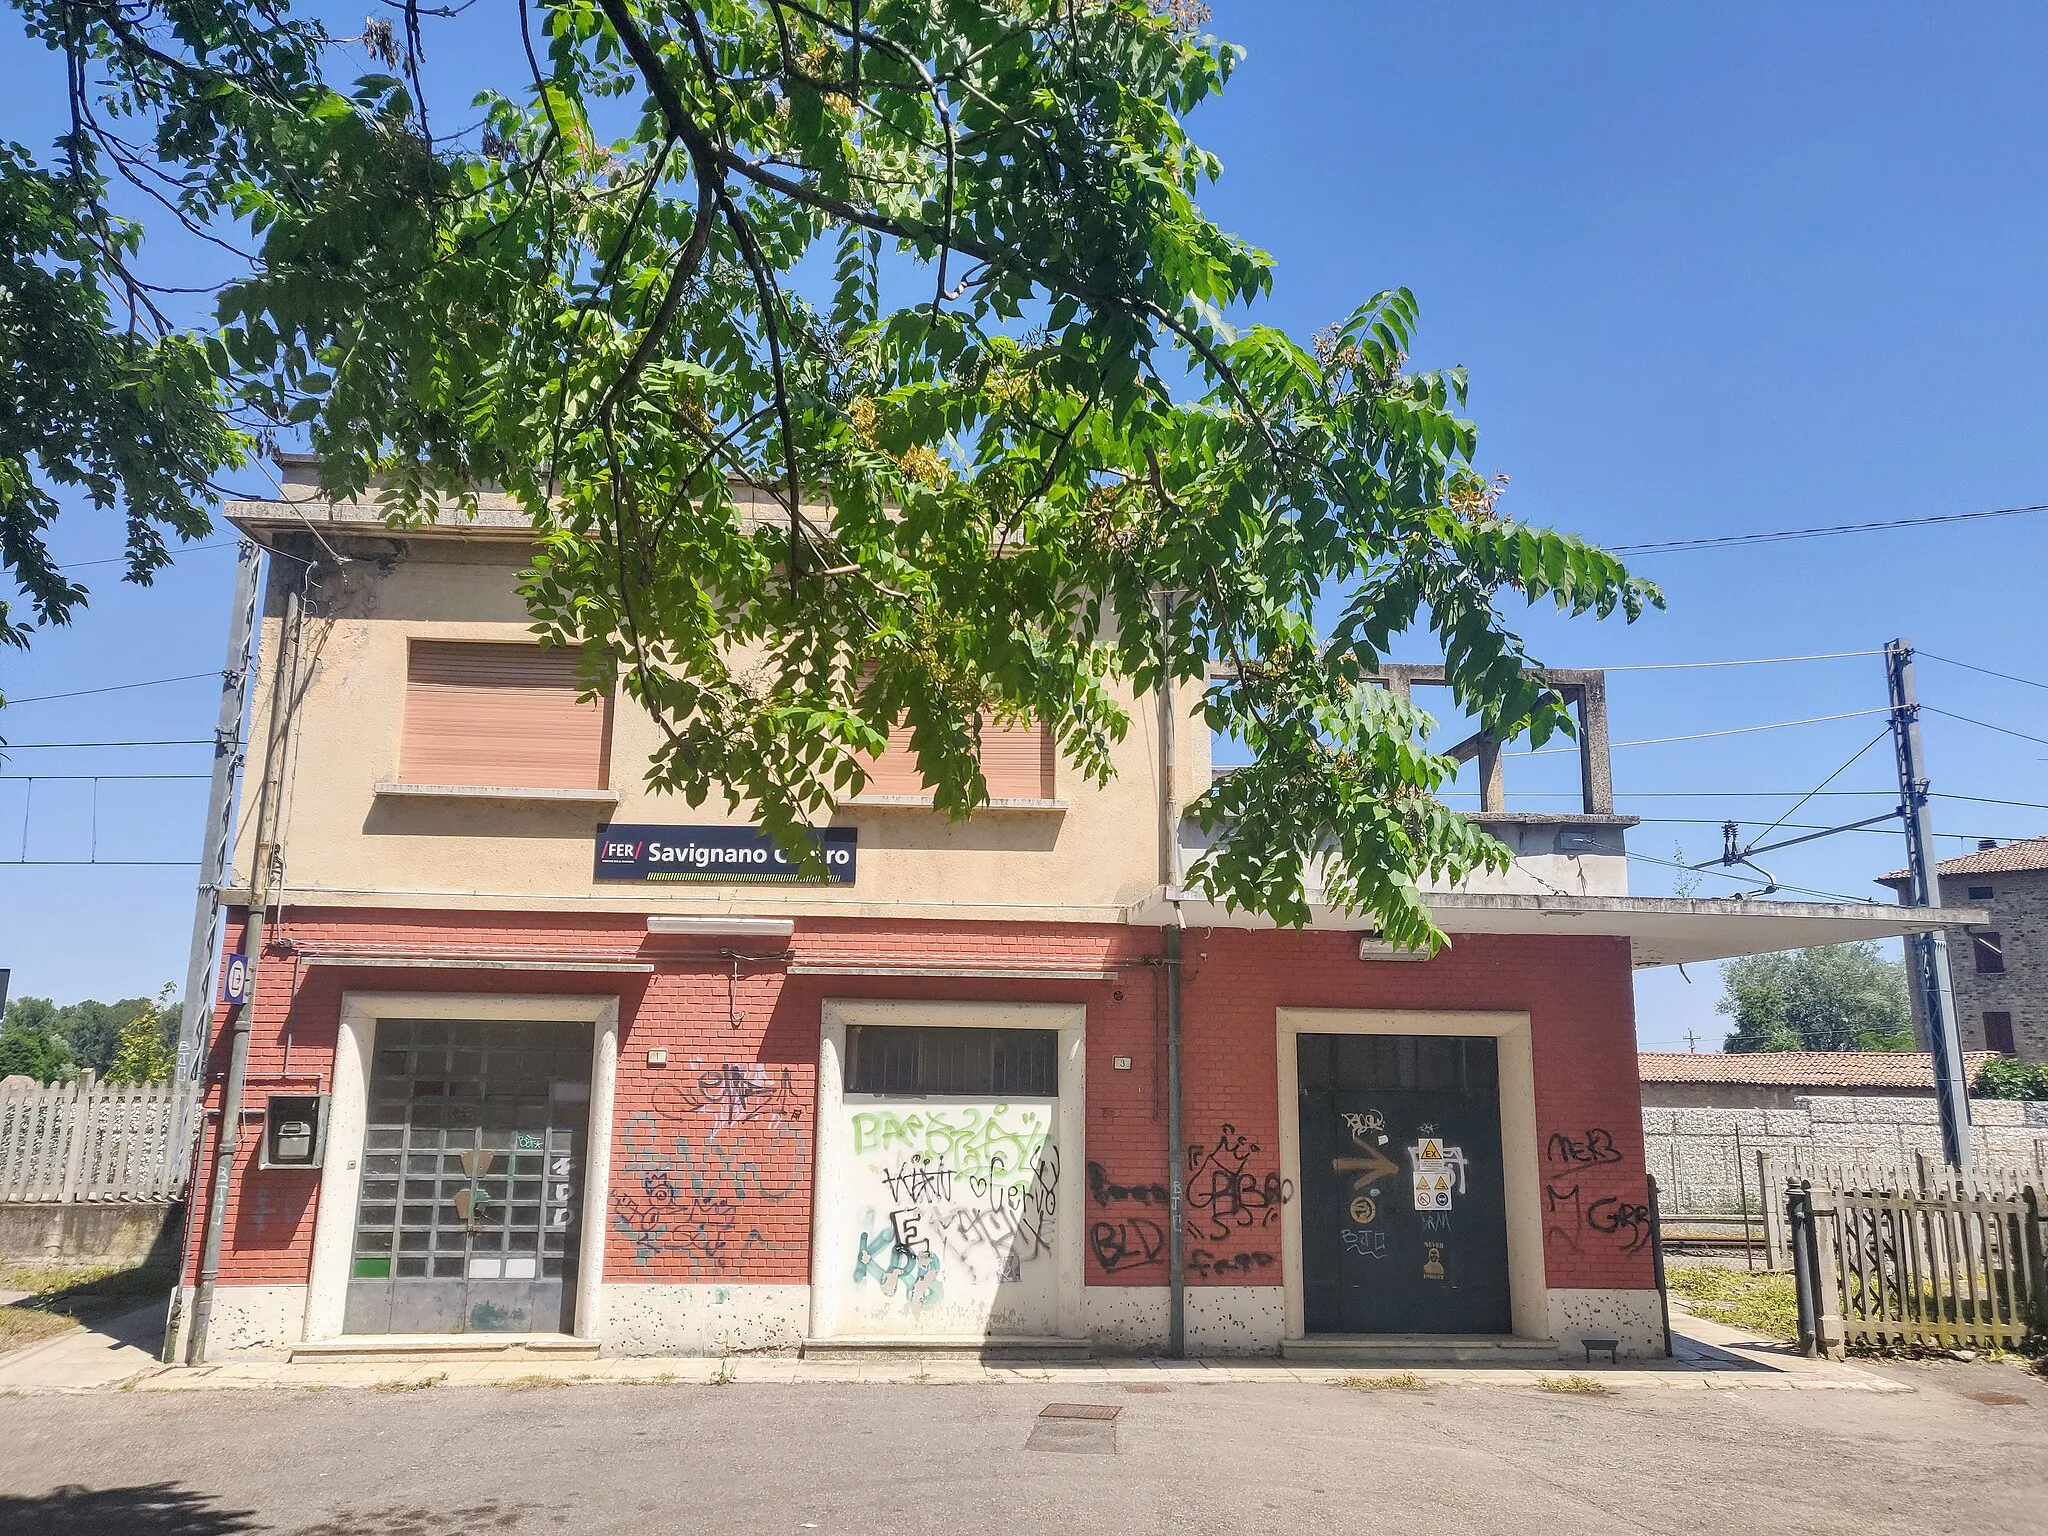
867, 1459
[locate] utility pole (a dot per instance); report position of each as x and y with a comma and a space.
1928, 951
220, 816
262, 875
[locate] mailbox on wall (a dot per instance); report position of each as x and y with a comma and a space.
294, 1130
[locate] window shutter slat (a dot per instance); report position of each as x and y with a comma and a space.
500, 716
1017, 761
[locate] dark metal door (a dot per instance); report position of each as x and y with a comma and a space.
472, 1183
1403, 1212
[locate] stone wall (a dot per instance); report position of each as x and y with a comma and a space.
1695, 1154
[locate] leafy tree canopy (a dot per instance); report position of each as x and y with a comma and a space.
1837, 997
858, 361
52, 1043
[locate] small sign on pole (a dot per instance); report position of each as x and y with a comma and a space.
234, 987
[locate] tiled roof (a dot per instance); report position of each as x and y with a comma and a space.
2005, 859
1803, 1069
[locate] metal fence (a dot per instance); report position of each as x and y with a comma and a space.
95, 1142
1931, 1263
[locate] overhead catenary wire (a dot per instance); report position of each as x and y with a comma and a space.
1723, 874
1824, 783
1971, 666
1752, 661
2003, 730
47, 778
79, 693
66, 746
185, 549
1829, 530
1733, 730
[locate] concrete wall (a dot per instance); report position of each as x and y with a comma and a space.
79, 1233
1695, 1154
346, 844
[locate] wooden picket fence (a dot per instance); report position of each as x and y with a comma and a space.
1928, 1262
95, 1142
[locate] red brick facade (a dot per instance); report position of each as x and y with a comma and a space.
750, 1169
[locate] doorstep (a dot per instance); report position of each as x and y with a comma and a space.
428, 1348
1026, 1347
1491, 1349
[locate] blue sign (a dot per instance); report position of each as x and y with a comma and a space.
234, 983
723, 855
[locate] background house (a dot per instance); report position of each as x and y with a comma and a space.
2000, 967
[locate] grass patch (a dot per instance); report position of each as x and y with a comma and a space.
1585, 1386
1762, 1301
64, 1296
418, 1385
533, 1381
1399, 1381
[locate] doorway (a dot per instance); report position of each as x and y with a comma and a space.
1403, 1198
469, 1211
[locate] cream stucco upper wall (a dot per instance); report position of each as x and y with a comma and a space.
346, 844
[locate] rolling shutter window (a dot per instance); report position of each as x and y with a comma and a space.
501, 716
1017, 761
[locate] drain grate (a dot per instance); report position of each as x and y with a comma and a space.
1995, 1399
1079, 1411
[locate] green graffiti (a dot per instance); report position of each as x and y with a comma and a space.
977, 1144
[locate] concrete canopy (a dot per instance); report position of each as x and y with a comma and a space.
1661, 930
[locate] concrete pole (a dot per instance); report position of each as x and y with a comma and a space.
1929, 951
220, 816
284, 680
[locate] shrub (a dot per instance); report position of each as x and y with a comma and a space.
2010, 1079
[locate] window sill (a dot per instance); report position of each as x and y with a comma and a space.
924, 803
394, 790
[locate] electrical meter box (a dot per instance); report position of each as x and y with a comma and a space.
294, 1130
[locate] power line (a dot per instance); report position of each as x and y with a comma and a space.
50, 778
107, 863
1824, 783
1733, 730
2003, 730
1755, 661
187, 549
1970, 666
1795, 826
1748, 794
1861, 901
79, 693
1778, 536
56, 746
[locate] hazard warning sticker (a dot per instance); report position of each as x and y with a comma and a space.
1439, 1173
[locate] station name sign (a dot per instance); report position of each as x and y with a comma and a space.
718, 854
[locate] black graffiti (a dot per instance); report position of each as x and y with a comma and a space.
920, 1178
1225, 1195
1107, 1191
1556, 1223
733, 1093
1614, 1215
1596, 1147
1202, 1262
1131, 1243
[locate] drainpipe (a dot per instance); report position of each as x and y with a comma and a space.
1176, 1163
260, 880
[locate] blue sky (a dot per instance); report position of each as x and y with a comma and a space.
1713, 270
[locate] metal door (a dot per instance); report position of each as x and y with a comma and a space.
1403, 1212
472, 1183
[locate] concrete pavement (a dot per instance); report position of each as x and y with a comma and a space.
1187, 1450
